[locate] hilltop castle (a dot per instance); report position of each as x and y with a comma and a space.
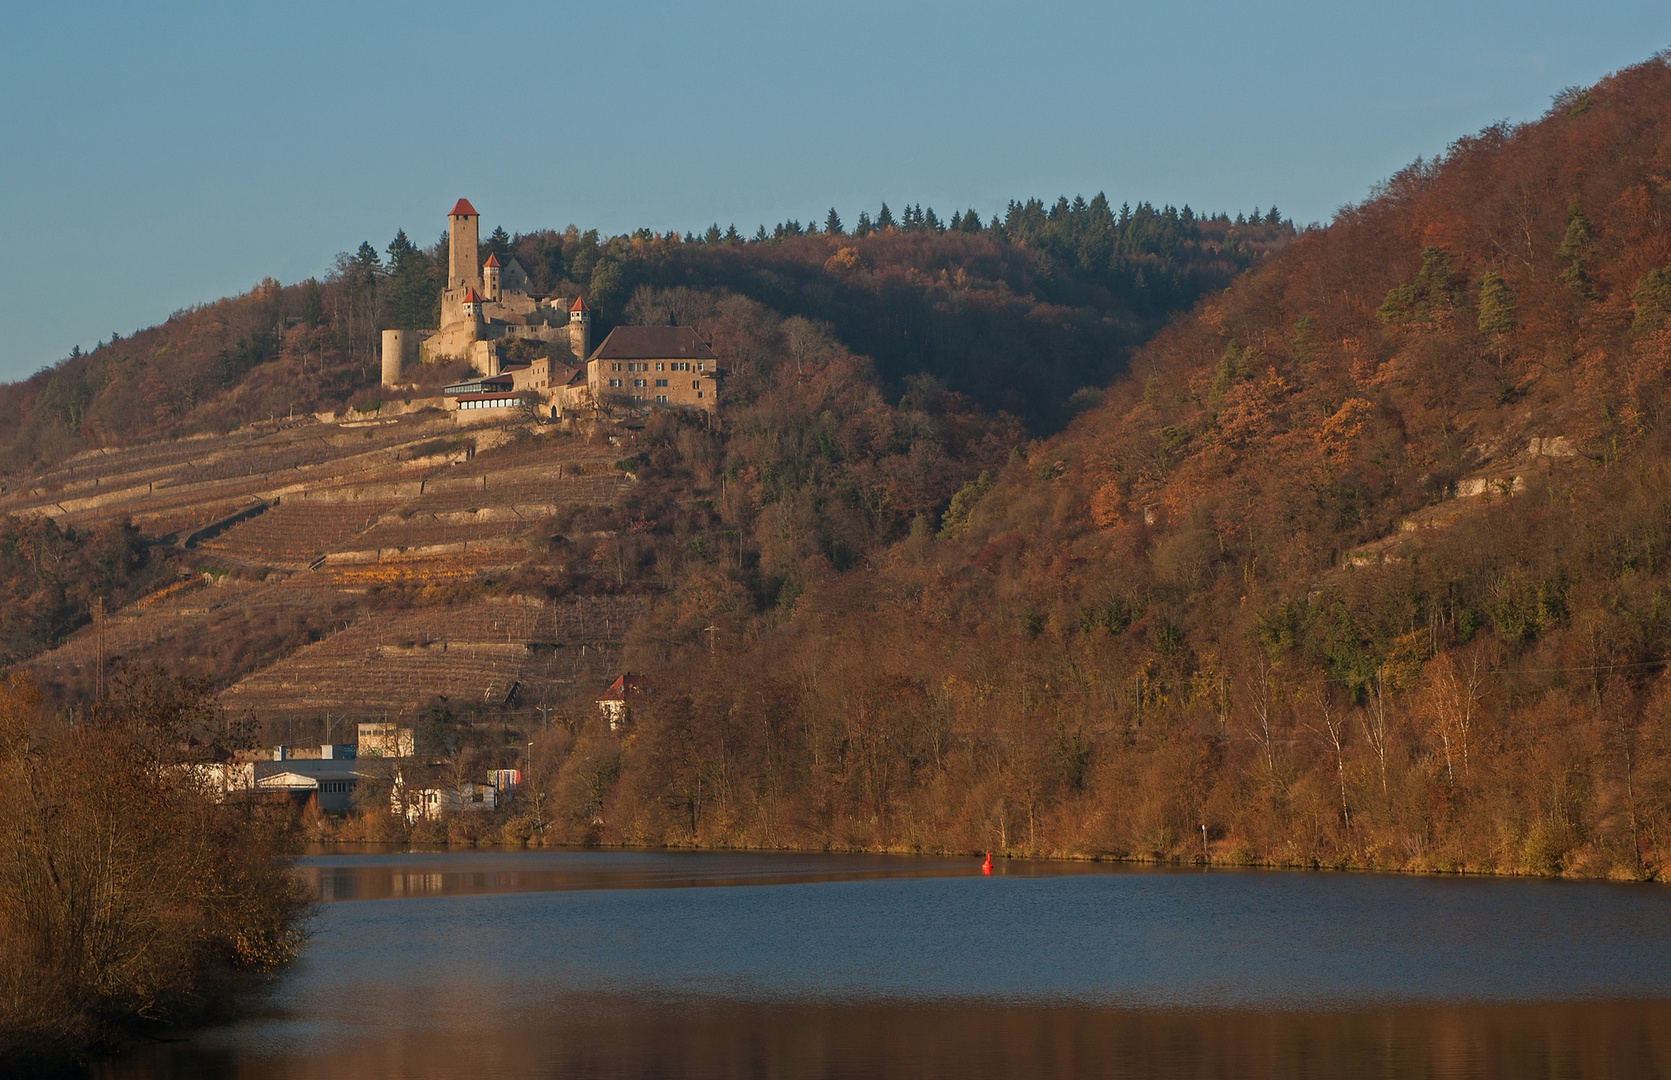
487, 304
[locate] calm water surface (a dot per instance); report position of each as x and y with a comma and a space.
612, 964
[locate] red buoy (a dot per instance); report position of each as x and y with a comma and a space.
986, 867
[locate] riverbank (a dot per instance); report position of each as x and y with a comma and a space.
132, 902
460, 837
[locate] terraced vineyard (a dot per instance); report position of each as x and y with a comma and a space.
283, 528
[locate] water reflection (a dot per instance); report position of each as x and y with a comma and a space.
607, 1038
377, 874
611, 964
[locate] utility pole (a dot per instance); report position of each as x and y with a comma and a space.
98, 635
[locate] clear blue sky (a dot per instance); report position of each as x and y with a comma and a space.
157, 156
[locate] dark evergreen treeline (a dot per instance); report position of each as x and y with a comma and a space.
1019, 313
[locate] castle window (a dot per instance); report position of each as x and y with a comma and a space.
659, 367
696, 384
699, 395
699, 365
661, 399
661, 382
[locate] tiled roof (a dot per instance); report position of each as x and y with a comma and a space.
579, 304
462, 208
629, 683
653, 343
492, 260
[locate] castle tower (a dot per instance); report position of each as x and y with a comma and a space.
396, 345
580, 329
462, 246
472, 305
490, 271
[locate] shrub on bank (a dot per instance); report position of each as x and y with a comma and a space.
130, 899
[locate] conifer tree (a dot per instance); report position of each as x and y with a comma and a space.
1496, 305
884, 219
832, 223
1651, 301
413, 289
313, 304
1576, 247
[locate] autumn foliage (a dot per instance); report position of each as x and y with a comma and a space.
1362, 565
131, 899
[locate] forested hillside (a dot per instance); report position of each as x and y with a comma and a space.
1359, 563
979, 330
1019, 313
1363, 564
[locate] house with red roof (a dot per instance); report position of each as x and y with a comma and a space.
638, 367
616, 703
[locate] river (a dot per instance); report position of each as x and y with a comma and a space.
654, 964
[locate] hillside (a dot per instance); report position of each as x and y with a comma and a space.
234, 489
1362, 565
1018, 314
293, 546
1358, 564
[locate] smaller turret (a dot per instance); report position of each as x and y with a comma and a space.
490, 272
580, 329
472, 305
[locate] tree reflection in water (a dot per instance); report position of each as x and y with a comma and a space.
655, 964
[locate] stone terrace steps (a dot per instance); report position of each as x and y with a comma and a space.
472, 653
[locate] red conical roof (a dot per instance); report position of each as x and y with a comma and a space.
492, 260
579, 304
471, 296
462, 208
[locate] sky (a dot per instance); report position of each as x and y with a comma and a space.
157, 156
